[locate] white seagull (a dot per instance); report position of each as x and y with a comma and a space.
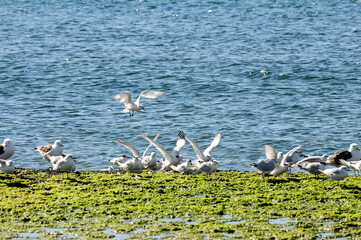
146, 160
119, 160
184, 168
268, 164
130, 106
7, 166
287, 160
208, 167
206, 155
172, 159
62, 163
150, 162
7, 149
313, 167
55, 149
355, 165
134, 164
336, 173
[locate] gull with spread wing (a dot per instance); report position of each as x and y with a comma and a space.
206, 155
130, 106
285, 162
172, 159
268, 164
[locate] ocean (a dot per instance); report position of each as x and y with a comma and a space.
260, 72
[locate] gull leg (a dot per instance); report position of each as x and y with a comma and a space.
262, 175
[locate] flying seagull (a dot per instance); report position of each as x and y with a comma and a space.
130, 106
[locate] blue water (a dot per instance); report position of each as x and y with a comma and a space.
62, 61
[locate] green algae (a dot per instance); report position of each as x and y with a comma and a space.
223, 205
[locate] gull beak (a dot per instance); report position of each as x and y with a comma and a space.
358, 148
74, 159
62, 145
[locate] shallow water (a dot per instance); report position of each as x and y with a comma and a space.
62, 61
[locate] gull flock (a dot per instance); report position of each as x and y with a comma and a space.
275, 163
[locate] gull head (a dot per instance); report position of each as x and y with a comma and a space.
58, 143
354, 146
9, 163
71, 157
7, 142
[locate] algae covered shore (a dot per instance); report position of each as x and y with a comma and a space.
223, 205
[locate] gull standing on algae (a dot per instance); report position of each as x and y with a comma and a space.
7, 149
7, 166
268, 164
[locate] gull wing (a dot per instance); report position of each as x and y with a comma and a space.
149, 94
130, 147
2, 161
180, 144
44, 148
198, 151
270, 152
159, 147
287, 157
146, 150
125, 97
2, 149
214, 144
312, 159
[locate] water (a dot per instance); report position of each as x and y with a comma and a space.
62, 61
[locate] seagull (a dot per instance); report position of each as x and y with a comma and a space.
130, 106
134, 151
206, 155
150, 162
336, 173
7, 149
119, 160
313, 167
55, 149
170, 159
287, 160
7, 166
268, 164
184, 168
355, 165
352, 154
208, 167
62, 163
137, 163
132, 165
